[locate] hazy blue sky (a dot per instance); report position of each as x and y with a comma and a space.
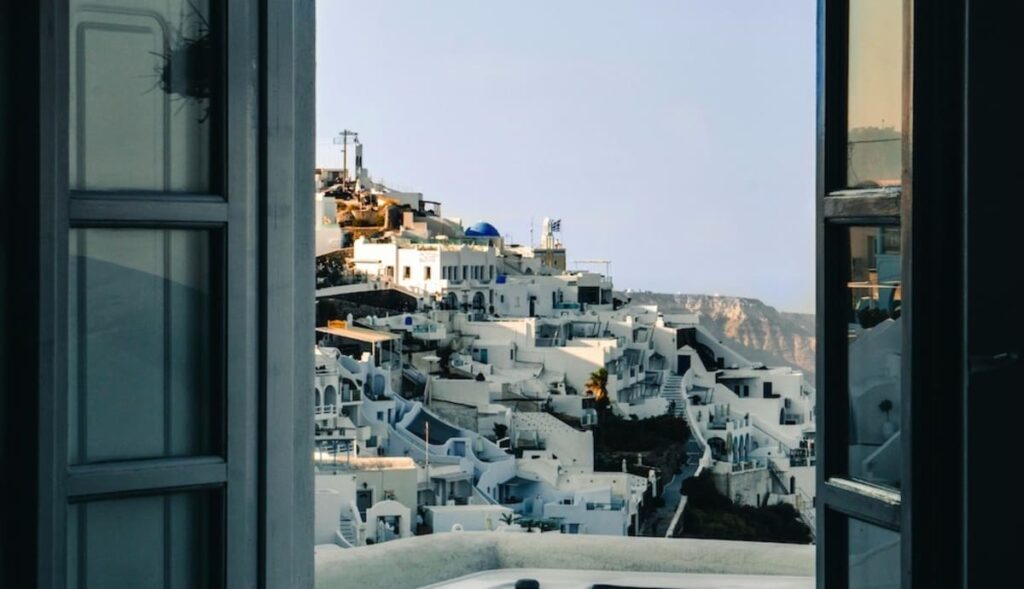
673, 137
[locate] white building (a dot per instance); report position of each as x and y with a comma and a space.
364, 500
457, 273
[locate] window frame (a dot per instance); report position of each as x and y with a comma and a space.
265, 474
838, 497
934, 373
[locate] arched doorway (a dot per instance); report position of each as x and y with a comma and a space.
717, 446
451, 301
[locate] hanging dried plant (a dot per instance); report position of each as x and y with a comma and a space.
186, 67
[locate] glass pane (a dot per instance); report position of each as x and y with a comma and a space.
874, 108
141, 358
875, 340
142, 75
874, 557
171, 541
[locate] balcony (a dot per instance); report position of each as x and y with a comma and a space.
324, 412
437, 558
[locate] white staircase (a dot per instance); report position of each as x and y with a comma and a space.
347, 531
672, 391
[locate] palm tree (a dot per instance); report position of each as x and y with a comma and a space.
597, 385
509, 518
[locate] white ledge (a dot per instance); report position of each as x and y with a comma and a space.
423, 560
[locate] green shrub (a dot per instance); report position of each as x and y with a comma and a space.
709, 514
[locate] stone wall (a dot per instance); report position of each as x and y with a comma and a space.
746, 487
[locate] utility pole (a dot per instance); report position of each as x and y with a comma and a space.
344, 135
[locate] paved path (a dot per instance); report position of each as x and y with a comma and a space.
657, 524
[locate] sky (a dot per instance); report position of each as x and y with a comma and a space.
672, 137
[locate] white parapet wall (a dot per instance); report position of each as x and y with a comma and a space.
471, 518
464, 392
422, 560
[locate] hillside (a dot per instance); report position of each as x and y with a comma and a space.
758, 331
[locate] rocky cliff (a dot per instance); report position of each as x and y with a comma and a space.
758, 331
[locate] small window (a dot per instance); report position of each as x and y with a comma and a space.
406, 272
426, 272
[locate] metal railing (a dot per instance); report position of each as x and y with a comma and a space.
322, 410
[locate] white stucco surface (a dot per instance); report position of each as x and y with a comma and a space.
424, 560
577, 579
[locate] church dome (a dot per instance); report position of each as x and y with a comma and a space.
482, 229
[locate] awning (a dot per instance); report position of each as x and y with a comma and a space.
371, 336
453, 474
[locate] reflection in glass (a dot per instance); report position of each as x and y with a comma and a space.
140, 374
875, 79
141, 82
875, 340
167, 541
874, 557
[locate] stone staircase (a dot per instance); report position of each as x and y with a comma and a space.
805, 505
672, 391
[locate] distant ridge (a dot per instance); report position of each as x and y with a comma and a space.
759, 331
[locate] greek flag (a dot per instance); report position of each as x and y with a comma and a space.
556, 225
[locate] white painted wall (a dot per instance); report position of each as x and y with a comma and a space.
472, 518
464, 392
451, 266
574, 448
388, 509
332, 494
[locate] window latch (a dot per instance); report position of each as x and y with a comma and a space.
983, 364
